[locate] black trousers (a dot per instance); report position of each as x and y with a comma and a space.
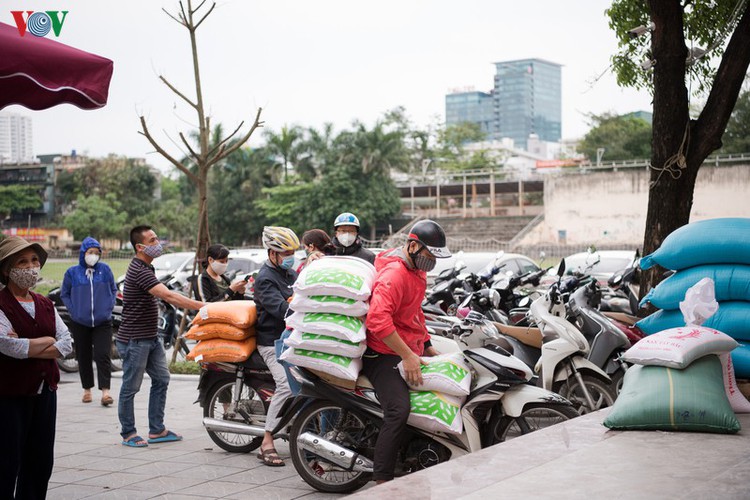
93, 343
28, 424
393, 394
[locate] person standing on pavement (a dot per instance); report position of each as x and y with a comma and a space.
138, 344
88, 292
32, 335
273, 290
346, 240
396, 332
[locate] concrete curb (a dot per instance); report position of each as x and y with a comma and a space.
173, 376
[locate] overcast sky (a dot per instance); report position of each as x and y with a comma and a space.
308, 62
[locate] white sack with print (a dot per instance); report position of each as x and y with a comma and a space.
325, 343
339, 366
348, 277
335, 325
446, 373
328, 304
436, 412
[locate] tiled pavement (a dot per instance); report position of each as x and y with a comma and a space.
90, 462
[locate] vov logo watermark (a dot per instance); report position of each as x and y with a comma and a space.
39, 23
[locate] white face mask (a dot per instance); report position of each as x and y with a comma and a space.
346, 239
219, 267
91, 259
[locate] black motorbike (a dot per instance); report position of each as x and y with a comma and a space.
69, 363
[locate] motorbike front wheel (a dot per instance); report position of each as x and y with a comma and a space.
249, 409
68, 364
331, 422
534, 417
602, 394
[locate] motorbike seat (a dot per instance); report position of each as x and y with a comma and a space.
530, 336
255, 362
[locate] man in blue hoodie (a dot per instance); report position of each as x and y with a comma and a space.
88, 291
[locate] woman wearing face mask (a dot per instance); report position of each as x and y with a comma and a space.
32, 335
89, 291
273, 289
346, 240
213, 285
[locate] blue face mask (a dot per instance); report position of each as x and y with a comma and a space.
287, 263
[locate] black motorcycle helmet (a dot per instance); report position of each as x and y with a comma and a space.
431, 235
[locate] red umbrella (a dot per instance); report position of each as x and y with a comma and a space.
39, 73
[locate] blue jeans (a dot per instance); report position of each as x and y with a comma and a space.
280, 348
139, 357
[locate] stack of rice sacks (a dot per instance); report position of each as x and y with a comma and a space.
328, 320
225, 332
678, 382
436, 403
715, 248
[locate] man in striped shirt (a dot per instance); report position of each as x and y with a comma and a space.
138, 344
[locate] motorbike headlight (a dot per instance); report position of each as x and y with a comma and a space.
495, 298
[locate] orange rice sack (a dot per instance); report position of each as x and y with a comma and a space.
219, 331
240, 313
221, 350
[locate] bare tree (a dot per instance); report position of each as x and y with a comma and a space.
207, 155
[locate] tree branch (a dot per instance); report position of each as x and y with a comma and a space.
187, 145
726, 87
162, 152
207, 14
234, 147
226, 139
178, 21
198, 7
173, 89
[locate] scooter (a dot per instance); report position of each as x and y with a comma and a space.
333, 436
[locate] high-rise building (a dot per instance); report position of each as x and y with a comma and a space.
526, 99
471, 106
16, 139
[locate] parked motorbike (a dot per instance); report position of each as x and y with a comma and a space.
170, 318
332, 438
69, 363
235, 399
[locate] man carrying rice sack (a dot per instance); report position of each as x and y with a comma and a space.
396, 332
273, 288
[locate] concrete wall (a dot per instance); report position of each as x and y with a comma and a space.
610, 207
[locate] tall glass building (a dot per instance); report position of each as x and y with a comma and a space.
472, 106
526, 99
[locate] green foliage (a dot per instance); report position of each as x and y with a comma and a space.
100, 217
622, 137
16, 198
705, 23
185, 368
451, 148
736, 137
287, 205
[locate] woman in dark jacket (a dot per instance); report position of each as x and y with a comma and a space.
89, 292
213, 285
32, 335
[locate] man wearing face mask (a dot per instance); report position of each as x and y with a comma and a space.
396, 332
273, 289
346, 240
138, 344
88, 292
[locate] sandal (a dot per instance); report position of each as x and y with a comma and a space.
107, 400
135, 442
86, 397
271, 457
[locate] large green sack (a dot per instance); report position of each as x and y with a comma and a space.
667, 399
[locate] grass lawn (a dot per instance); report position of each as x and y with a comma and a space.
54, 270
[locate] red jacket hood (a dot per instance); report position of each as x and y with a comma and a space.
396, 303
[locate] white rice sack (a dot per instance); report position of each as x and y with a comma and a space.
348, 277
338, 366
335, 325
678, 347
330, 304
737, 400
325, 343
432, 411
447, 373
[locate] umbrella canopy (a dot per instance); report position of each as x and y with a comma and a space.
40, 73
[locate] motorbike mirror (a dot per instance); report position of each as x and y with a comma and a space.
561, 268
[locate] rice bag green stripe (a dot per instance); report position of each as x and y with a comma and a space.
315, 336
334, 277
323, 299
339, 360
349, 322
446, 368
430, 404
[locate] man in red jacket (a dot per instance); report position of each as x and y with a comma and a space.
396, 332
